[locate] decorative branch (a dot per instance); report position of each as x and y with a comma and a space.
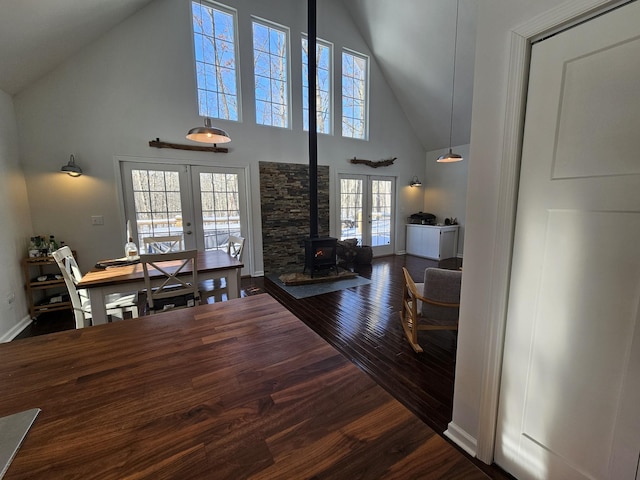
381, 163
177, 146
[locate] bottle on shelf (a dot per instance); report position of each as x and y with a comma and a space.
131, 250
53, 245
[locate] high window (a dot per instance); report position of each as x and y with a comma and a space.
323, 86
214, 40
271, 72
355, 79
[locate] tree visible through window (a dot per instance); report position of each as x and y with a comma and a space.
323, 86
354, 95
215, 53
270, 57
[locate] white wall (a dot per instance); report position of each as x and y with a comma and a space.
445, 189
137, 83
16, 225
496, 18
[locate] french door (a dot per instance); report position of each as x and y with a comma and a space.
201, 204
367, 211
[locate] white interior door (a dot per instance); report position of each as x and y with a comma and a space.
570, 391
367, 211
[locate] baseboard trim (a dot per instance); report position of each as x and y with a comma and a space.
16, 330
461, 438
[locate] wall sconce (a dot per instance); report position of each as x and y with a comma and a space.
71, 168
415, 182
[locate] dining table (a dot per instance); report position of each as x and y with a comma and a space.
100, 282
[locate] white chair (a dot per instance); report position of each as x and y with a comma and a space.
235, 248
176, 286
166, 244
116, 304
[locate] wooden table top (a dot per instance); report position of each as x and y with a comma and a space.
237, 389
209, 260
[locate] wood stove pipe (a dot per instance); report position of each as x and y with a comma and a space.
313, 132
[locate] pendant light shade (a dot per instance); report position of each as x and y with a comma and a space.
451, 157
208, 134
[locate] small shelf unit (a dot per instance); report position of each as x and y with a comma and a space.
44, 295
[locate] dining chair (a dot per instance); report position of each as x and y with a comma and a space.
218, 288
164, 244
171, 279
117, 304
432, 305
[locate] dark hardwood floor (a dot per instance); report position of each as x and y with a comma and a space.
363, 324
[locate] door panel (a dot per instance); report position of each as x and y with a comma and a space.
158, 202
570, 393
221, 205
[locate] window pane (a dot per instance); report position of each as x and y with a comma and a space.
323, 86
354, 95
157, 203
271, 67
215, 52
220, 214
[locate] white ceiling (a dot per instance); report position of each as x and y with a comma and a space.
412, 41
37, 35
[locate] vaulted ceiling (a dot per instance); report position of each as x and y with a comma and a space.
412, 41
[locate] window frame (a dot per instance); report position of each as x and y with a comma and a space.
236, 51
330, 70
353, 53
287, 70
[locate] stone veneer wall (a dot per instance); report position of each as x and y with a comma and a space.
284, 197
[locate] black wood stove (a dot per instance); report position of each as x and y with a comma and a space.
320, 255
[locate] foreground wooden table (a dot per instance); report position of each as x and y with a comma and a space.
238, 389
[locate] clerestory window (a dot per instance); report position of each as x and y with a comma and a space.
355, 91
323, 86
271, 73
215, 46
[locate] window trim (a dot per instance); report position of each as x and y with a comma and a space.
236, 44
287, 31
331, 112
367, 89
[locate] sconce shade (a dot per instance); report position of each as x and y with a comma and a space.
415, 182
449, 157
208, 134
71, 168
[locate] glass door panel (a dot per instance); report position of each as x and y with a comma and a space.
157, 199
221, 204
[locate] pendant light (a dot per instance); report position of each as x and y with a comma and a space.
208, 134
450, 157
